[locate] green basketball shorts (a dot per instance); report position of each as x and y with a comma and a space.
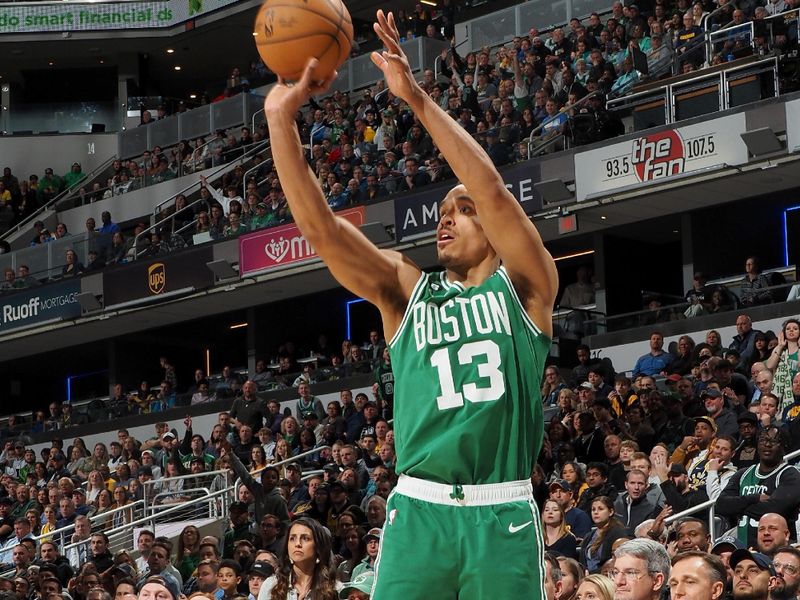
471, 542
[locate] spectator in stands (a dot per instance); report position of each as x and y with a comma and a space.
268, 500
306, 566
786, 563
632, 506
100, 554
248, 409
752, 574
596, 547
697, 575
641, 570
773, 533
656, 361
724, 418
769, 487
783, 361
557, 536
108, 225
753, 288
72, 266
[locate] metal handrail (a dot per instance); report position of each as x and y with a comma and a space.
71, 528
151, 519
710, 504
255, 168
157, 482
253, 120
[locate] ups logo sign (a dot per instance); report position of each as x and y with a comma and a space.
156, 278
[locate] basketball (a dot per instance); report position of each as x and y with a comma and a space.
289, 32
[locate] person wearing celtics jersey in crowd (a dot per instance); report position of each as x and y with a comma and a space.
772, 486
468, 347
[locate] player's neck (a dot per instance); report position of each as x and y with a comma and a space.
471, 276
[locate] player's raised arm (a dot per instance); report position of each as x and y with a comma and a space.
384, 278
508, 229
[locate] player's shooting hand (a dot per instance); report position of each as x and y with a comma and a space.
287, 99
392, 60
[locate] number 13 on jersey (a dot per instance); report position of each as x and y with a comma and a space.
486, 355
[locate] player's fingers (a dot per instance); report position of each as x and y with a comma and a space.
393, 26
383, 34
378, 60
307, 78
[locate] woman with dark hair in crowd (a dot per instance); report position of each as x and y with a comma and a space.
73, 266
258, 459
571, 577
104, 503
596, 547
557, 536
526, 123
320, 504
354, 551
188, 555
761, 350
682, 365
572, 473
305, 570
308, 441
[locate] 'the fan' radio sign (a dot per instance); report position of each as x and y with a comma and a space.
660, 155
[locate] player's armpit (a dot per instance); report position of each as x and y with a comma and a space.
520, 247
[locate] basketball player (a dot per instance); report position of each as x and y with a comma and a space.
468, 347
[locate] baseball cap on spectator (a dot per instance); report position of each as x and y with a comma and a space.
674, 377
561, 483
586, 386
169, 582
677, 469
261, 205
762, 561
727, 543
373, 534
261, 568
388, 112
238, 506
310, 414
150, 452
332, 468
294, 467
6, 500
126, 570
710, 393
197, 459
747, 417
145, 470
79, 491
168, 436
362, 583
708, 420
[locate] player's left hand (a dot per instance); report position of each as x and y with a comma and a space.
392, 61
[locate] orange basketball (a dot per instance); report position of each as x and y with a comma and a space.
289, 32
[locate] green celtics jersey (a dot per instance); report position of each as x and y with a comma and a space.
467, 366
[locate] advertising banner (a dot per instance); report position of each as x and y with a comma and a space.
35, 17
281, 246
658, 156
146, 278
40, 304
416, 215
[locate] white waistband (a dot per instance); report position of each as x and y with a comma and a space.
465, 495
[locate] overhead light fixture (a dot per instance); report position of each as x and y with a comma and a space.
177, 67
238, 325
761, 141
428, 2
170, 51
603, 217
222, 269
192, 96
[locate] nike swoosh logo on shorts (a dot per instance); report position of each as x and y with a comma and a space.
515, 528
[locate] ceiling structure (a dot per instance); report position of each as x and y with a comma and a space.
206, 54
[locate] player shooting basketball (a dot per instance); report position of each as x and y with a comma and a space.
468, 347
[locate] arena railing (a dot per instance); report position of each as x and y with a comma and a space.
37, 215
710, 505
192, 124
152, 489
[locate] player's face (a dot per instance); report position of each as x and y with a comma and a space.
460, 240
